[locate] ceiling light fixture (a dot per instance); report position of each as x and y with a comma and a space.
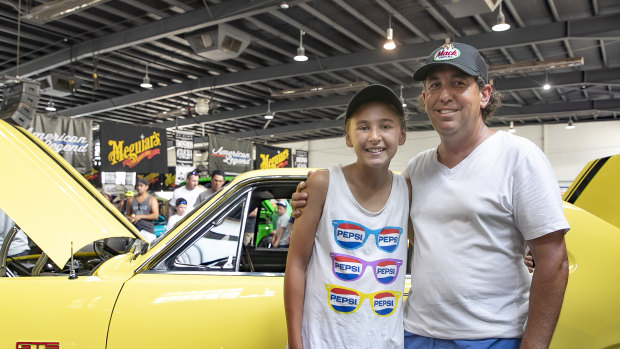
402, 99
389, 42
269, 115
301, 52
50, 106
285, 5
146, 82
501, 24
512, 128
546, 86
570, 125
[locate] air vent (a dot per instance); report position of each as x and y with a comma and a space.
59, 84
224, 43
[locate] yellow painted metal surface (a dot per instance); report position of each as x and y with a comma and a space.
73, 313
199, 311
589, 316
49, 200
596, 189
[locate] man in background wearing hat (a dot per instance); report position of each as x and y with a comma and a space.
478, 200
280, 234
142, 208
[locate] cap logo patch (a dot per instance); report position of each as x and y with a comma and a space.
447, 53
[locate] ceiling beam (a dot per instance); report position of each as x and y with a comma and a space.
591, 28
183, 23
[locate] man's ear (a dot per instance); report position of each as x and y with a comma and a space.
485, 95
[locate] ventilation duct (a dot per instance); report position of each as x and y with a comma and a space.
466, 8
59, 84
224, 43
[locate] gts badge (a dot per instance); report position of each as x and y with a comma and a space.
37, 345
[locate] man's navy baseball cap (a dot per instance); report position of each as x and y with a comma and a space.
372, 93
461, 56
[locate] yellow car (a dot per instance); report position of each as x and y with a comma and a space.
90, 280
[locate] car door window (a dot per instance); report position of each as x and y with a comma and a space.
216, 247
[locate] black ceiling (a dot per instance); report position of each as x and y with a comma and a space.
118, 39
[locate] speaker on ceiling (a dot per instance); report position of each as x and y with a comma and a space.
19, 102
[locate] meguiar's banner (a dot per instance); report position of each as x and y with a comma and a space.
272, 157
69, 137
229, 155
131, 148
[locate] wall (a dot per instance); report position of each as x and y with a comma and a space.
568, 150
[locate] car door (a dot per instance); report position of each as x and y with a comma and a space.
196, 296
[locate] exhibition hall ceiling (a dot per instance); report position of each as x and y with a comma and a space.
218, 67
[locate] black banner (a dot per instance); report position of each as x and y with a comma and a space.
69, 137
301, 158
127, 148
229, 155
272, 157
184, 151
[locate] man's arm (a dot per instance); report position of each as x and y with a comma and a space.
300, 249
547, 290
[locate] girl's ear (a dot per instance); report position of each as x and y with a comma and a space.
402, 137
348, 139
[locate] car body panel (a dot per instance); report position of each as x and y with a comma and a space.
35, 177
589, 316
202, 311
596, 189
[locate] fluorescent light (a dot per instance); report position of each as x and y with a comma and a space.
146, 82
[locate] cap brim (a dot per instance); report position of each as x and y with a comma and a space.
422, 72
372, 93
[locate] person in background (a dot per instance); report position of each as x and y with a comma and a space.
142, 208
106, 195
19, 246
122, 205
190, 192
181, 205
280, 234
217, 182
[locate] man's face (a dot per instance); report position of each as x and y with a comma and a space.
192, 182
281, 210
217, 182
453, 100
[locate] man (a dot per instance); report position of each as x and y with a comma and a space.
280, 234
217, 182
477, 200
189, 192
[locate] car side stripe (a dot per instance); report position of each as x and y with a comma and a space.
586, 178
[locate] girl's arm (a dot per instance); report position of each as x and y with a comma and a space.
300, 249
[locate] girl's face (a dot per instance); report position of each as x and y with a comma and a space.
374, 132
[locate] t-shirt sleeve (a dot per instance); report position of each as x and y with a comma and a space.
537, 201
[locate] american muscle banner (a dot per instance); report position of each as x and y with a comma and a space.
184, 151
230, 155
272, 157
127, 148
301, 158
71, 138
